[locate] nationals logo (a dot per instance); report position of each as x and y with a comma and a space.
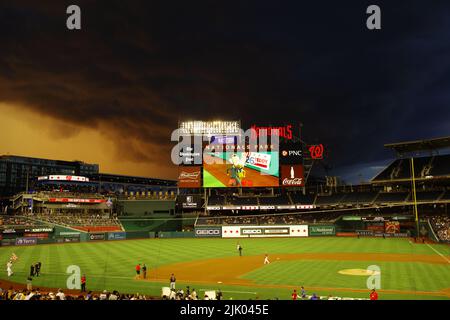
316, 151
282, 131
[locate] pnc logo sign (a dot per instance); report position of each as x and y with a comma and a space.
294, 153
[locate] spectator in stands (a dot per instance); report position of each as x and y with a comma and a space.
104, 295
114, 295
194, 294
29, 283
60, 295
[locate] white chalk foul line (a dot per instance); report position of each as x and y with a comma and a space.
446, 259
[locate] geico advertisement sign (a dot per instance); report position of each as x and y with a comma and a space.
211, 232
265, 231
251, 231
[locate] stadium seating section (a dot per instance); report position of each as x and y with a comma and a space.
84, 222
441, 226
423, 166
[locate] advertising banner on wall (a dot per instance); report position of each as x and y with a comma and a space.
67, 239
322, 230
189, 177
26, 241
96, 236
376, 227
365, 233
264, 231
39, 230
36, 235
392, 226
117, 235
208, 232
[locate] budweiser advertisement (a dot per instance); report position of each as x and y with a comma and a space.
292, 176
189, 177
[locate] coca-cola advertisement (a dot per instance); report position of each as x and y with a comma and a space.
189, 177
292, 176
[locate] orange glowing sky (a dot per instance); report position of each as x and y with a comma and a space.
27, 133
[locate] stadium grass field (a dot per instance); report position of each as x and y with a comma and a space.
408, 270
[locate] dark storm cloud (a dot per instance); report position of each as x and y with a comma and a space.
137, 67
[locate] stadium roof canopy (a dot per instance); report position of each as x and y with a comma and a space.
420, 145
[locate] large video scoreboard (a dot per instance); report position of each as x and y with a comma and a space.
220, 154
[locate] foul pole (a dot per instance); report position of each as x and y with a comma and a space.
413, 178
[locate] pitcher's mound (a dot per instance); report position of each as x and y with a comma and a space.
359, 272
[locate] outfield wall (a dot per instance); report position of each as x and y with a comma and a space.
249, 231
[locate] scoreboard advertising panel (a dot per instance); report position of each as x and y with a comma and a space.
189, 176
291, 159
223, 157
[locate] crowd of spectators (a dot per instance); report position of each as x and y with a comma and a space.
441, 225
83, 220
68, 194
75, 189
270, 219
16, 221
36, 294
190, 294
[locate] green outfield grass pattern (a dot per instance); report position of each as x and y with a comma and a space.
110, 265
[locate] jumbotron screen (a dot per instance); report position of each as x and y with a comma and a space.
240, 169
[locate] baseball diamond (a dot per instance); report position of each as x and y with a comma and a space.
212, 264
